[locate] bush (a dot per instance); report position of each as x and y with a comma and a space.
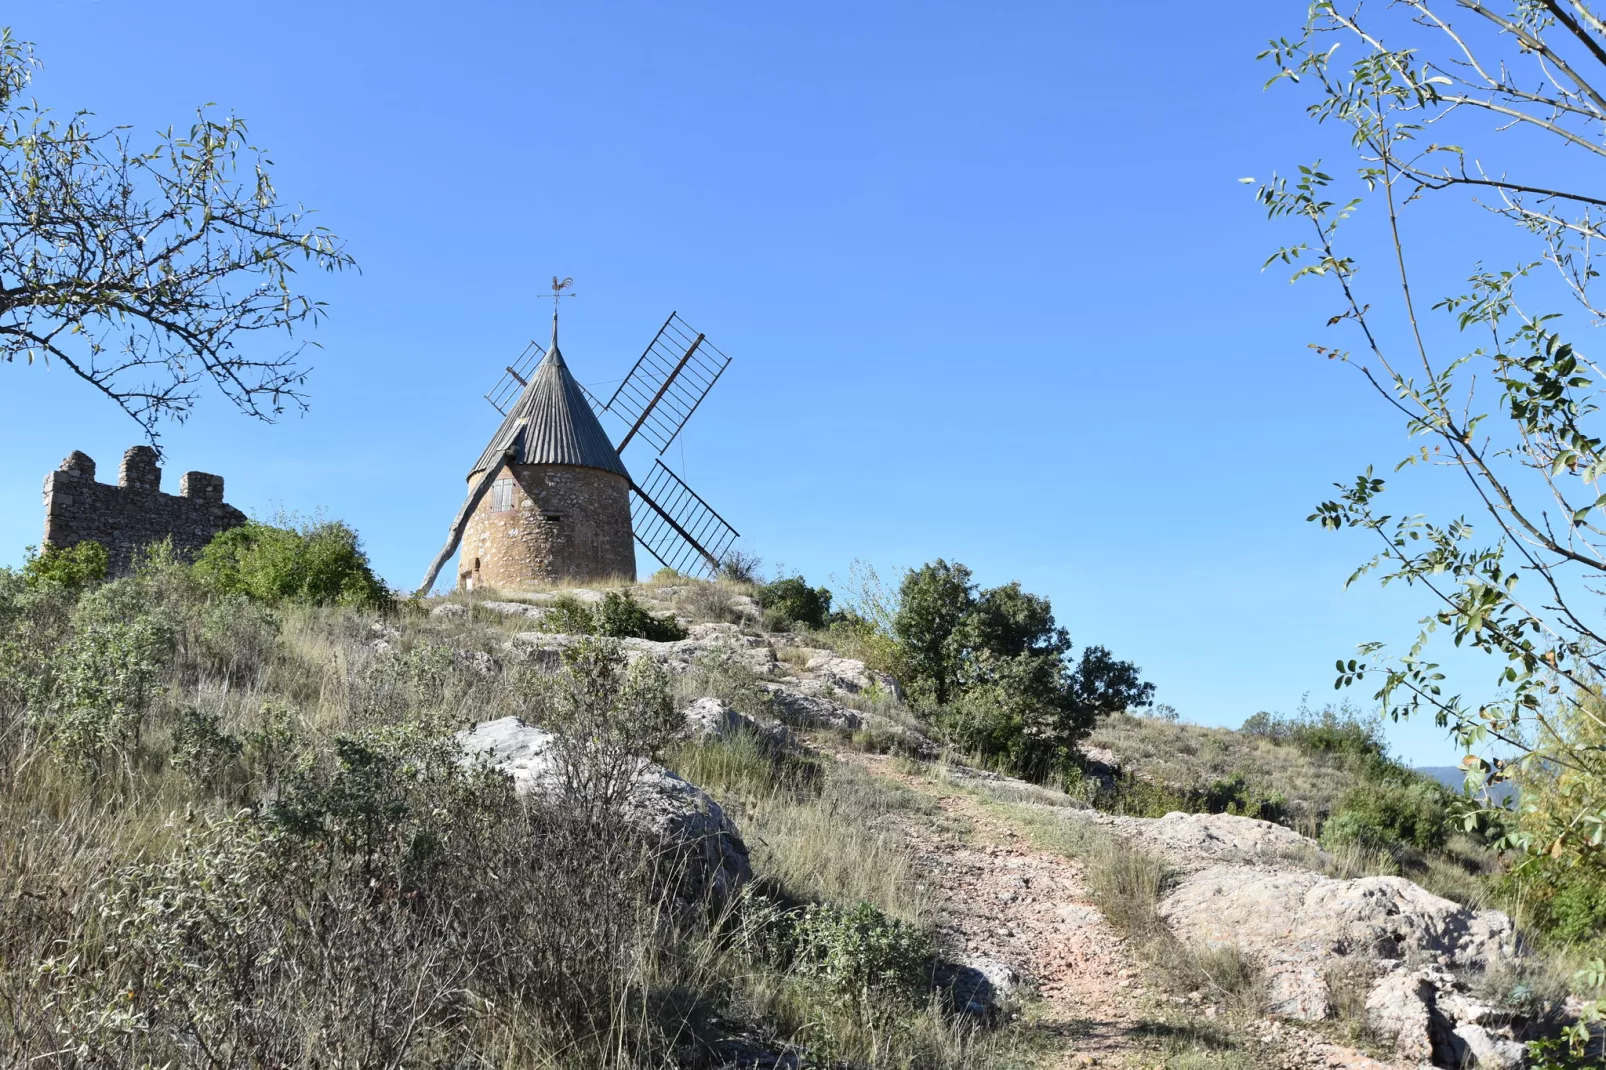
314, 564
1339, 732
790, 602
1566, 903
1384, 814
201, 749
567, 615
1135, 796
740, 567
620, 616
107, 672
617, 616
998, 669
861, 957
72, 569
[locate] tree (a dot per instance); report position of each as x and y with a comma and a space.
149, 271
999, 671
1007, 621
319, 563
933, 602
1446, 97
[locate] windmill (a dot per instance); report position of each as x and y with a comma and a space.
551, 499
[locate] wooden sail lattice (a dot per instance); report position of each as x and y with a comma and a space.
671, 378
676, 526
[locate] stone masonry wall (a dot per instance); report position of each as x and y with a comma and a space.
565, 523
135, 512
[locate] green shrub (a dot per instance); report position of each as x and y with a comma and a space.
790, 602
235, 638
1565, 903
617, 616
620, 616
315, 564
1343, 731
1135, 796
567, 615
998, 670
1383, 814
201, 749
740, 567
106, 673
72, 569
861, 957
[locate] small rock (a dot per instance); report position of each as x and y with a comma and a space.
1477, 1047
449, 610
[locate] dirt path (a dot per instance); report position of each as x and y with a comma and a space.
998, 898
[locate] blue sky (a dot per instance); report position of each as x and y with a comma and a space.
990, 281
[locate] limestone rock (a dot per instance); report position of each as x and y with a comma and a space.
848, 674
709, 718
515, 609
977, 985
1190, 842
802, 710
680, 817
1475, 1046
1298, 923
705, 641
1434, 1021
813, 711
1399, 1008
450, 611
477, 661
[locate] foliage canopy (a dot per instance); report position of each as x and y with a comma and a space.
149, 270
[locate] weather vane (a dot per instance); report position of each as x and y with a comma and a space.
558, 286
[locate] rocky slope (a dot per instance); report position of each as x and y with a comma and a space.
1011, 913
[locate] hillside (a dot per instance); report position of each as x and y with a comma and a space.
463, 833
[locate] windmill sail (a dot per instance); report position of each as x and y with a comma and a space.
667, 384
677, 527
515, 377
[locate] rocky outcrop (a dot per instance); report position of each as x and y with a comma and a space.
803, 710
1256, 886
1300, 925
848, 674
679, 657
1432, 1019
1190, 842
678, 816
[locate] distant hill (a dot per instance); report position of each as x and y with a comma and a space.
1453, 778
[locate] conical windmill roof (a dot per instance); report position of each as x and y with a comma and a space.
552, 423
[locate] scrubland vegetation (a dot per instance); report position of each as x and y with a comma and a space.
233, 820
237, 832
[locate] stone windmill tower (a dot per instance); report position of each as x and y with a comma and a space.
558, 505
550, 499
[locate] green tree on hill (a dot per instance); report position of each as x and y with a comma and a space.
317, 564
998, 669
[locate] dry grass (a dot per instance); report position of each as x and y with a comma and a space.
1186, 756
372, 977
819, 830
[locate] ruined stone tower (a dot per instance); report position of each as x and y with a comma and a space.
134, 513
559, 505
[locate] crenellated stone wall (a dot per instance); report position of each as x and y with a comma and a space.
134, 513
551, 522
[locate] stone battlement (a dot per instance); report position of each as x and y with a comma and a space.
134, 513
